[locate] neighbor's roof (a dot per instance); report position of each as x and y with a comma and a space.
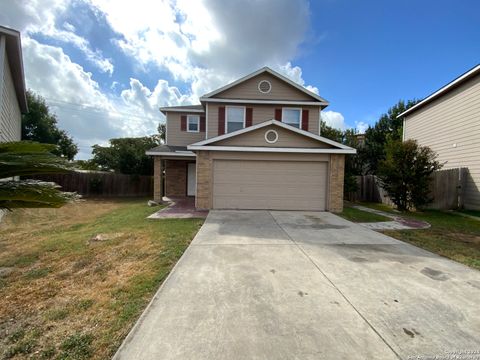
13, 47
183, 108
271, 72
442, 91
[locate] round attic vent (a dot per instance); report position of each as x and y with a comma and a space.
264, 86
271, 136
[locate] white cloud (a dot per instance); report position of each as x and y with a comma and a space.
361, 126
40, 17
211, 42
334, 119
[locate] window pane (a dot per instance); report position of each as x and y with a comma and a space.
193, 122
235, 116
291, 117
234, 126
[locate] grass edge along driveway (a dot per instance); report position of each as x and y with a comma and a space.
66, 295
451, 235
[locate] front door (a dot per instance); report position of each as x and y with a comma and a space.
191, 179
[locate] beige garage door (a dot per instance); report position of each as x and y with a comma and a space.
280, 185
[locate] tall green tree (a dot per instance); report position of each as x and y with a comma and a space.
40, 125
405, 173
23, 158
126, 155
162, 131
388, 127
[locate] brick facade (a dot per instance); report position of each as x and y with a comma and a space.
204, 180
176, 177
157, 178
336, 174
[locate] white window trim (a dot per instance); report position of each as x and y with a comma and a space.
195, 117
226, 115
299, 118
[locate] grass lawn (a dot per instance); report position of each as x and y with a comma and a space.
475, 213
66, 296
356, 215
451, 235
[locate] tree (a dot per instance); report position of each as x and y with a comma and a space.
388, 127
162, 131
405, 173
40, 125
331, 133
126, 155
24, 158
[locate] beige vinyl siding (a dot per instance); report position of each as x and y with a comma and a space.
10, 115
260, 114
280, 90
260, 184
453, 119
175, 135
286, 138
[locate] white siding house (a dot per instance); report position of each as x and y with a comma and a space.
12, 85
448, 121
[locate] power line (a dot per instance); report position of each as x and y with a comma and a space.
98, 109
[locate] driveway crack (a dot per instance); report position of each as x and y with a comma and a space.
335, 287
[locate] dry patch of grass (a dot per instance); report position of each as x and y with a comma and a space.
74, 280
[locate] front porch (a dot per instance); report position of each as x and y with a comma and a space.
174, 172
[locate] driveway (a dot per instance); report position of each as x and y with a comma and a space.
306, 285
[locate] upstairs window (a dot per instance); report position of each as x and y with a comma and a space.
193, 123
235, 118
292, 116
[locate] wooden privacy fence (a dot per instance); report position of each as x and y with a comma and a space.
100, 184
446, 189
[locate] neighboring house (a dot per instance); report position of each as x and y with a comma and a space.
448, 121
252, 144
12, 85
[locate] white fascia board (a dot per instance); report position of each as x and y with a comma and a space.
273, 149
277, 123
442, 90
256, 101
166, 153
271, 72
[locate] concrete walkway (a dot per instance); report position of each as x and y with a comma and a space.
306, 285
179, 208
397, 223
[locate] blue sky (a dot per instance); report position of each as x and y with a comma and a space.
106, 66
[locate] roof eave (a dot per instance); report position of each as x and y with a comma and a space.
443, 90
13, 48
271, 72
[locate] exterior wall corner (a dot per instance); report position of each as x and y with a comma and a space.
336, 179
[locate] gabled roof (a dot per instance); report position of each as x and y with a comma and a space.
183, 108
13, 49
450, 86
271, 72
338, 148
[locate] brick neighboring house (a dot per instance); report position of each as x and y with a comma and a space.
448, 121
252, 144
13, 100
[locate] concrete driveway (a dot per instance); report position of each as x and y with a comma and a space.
306, 285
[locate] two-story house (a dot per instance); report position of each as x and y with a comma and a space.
12, 85
252, 144
448, 121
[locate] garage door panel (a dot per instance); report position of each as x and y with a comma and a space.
245, 184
